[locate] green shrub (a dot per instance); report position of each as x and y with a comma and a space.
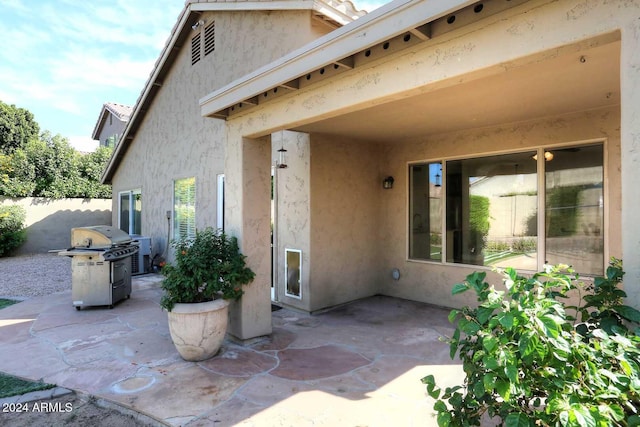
524, 245
479, 215
435, 239
12, 231
497, 246
207, 266
530, 363
562, 210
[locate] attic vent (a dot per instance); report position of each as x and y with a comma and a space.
195, 49
209, 38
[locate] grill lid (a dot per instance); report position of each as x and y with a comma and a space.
98, 237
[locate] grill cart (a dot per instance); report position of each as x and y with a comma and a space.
100, 265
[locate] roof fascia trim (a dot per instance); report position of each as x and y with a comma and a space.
253, 5
321, 7
99, 124
120, 148
382, 24
160, 64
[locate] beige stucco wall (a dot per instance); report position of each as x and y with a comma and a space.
112, 126
292, 213
49, 222
174, 141
328, 206
346, 196
431, 282
352, 233
533, 32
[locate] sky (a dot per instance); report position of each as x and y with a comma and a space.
63, 59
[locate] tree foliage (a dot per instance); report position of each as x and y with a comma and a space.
17, 127
47, 166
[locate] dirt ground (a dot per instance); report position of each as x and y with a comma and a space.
71, 411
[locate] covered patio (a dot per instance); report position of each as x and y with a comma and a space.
358, 364
457, 102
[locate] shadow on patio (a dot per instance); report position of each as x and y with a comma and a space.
359, 364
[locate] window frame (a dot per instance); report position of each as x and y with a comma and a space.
191, 227
220, 181
132, 224
287, 285
541, 203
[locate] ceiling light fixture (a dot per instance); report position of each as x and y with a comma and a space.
548, 156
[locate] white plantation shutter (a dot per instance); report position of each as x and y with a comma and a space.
184, 208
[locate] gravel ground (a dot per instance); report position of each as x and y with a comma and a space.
34, 275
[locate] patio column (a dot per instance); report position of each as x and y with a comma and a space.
630, 148
247, 216
292, 223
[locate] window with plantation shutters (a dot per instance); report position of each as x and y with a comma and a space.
184, 208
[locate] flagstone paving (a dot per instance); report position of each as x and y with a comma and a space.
356, 365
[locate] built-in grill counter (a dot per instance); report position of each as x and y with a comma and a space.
100, 265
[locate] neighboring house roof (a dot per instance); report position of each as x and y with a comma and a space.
334, 12
122, 112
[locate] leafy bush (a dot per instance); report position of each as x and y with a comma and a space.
12, 231
562, 204
50, 167
435, 239
479, 215
530, 363
207, 266
497, 246
524, 245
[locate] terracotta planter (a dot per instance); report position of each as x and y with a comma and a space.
198, 329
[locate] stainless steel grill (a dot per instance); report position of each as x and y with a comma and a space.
100, 265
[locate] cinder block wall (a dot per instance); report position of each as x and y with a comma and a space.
49, 222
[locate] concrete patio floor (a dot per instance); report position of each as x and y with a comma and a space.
356, 365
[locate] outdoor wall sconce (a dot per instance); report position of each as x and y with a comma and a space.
282, 160
438, 178
387, 183
548, 156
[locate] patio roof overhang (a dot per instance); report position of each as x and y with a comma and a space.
577, 71
396, 26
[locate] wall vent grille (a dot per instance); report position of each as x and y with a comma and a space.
195, 48
209, 38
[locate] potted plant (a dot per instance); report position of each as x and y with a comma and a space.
208, 271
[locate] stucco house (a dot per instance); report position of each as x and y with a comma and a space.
111, 123
537, 97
